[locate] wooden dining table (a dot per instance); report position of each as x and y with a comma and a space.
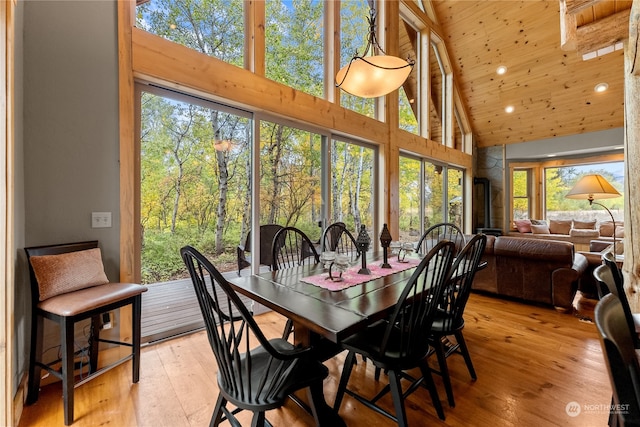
317, 312
321, 317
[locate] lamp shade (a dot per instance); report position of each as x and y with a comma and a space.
373, 76
591, 187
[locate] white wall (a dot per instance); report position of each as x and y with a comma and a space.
610, 140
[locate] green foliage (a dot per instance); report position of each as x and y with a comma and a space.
213, 27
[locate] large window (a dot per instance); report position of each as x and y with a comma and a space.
409, 96
521, 191
290, 185
352, 184
437, 92
215, 28
294, 44
559, 180
430, 193
194, 180
538, 190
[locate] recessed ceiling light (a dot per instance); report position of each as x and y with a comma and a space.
501, 69
601, 87
509, 108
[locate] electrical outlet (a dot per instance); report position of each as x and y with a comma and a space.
106, 321
100, 219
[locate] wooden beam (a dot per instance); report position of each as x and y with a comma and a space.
631, 267
575, 6
602, 33
634, 38
568, 35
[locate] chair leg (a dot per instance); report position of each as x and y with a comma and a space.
94, 340
322, 413
344, 379
258, 419
398, 400
465, 353
136, 332
216, 417
288, 328
35, 354
66, 337
444, 370
431, 386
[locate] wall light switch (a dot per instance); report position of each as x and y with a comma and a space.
100, 219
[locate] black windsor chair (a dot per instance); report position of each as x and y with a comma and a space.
292, 248
622, 362
257, 379
337, 238
438, 232
400, 342
449, 316
618, 280
605, 282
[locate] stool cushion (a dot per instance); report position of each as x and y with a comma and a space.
68, 272
71, 304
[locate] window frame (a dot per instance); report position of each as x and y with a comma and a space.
537, 208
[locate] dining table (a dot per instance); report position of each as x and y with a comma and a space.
326, 311
320, 307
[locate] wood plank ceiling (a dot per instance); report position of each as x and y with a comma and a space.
551, 88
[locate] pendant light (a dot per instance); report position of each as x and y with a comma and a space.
374, 75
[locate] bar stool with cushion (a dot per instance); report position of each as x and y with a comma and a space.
68, 285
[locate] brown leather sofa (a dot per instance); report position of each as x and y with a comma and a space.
535, 270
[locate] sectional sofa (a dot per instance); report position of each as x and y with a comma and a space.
580, 233
531, 269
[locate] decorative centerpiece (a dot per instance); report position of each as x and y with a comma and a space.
340, 265
327, 257
406, 249
362, 242
385, 241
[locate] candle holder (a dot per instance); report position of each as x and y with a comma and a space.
339, 266
385, 241
362, 242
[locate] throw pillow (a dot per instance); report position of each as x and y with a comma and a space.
68, 272
584, 225
539, 229
583, 232
559, 226
606, 228
538, 222
619, 231
523, 225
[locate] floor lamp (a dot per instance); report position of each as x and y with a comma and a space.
591, 187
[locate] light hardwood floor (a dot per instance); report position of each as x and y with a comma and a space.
531, 363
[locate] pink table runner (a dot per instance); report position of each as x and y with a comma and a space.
352, 278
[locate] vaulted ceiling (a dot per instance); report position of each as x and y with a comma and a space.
547, 81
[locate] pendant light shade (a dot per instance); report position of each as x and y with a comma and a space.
374, 75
